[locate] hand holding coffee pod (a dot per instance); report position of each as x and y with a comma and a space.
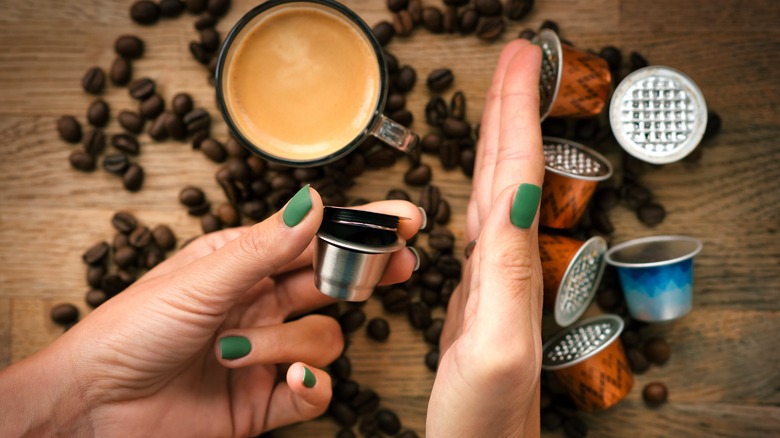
352, 252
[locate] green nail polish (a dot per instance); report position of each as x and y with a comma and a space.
234, 347
308, 378
296, 209
525, 204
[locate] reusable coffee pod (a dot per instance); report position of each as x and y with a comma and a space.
573, 82
352, 251
572, 172
658, 114
656, 274
571, 272
589, 361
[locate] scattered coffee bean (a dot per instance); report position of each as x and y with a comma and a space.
657, 351
586, 129
635, 195
388, 421
407, 434
418, 176
613, 56
606, 198
549, 24
95, 142
145, 12
609, 298
554, 127
64, 314
651, 214
468, 21
406, 79
454, 128
94, 80
435, 111
469, 249
69, 129
343, 414
164, 238
171, 8
213, 150
365, 402
210, 223
129, 46
432, 279
218, 8
159, 131
449, 154
458, 106
95, 297
419, 315
209, 39
432, 19
442, 213
488, 7
199, 52
132, 122
121, 71
631, 338
192, 196
378, 329
637, 61
82, 161
174, 126
195, 6
351, 320
433, 332
551, 420
396, 300
450, 20
403, 24
574, 427
152, 106
142, 89
518, 9
448, 265
431, 144
140, 237
133, 178
97, 113
345, 390
197, 120
182, 104
441, 239
637, 361
341, 368
125, 257
396, 194
527, 34
116, 163
96, 254
467, 159
397, 5
432, 359
95, 275
713, 125
440, 79
655, 393
403, 117
126, 143
395, 102
490, 28
601, 223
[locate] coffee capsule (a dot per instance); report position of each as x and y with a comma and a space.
573, 82
352, 251
571, 271
658, 115
656, 274
572, 172
589, 361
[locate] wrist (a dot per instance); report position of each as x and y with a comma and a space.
41, 396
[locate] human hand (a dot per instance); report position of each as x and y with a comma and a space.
149, 362
487, 383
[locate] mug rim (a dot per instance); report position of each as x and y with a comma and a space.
219, 76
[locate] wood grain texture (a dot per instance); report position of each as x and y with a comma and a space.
722, 377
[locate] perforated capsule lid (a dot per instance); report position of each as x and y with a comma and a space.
578, 343
552, 65
658, 114
580, 281
574, 160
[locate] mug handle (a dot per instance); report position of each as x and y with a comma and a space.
394, 134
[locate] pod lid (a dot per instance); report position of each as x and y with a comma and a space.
578, 343
575, 160
580, 281
658, 114
361, 218
552, 65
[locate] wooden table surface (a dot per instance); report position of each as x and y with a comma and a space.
723, 376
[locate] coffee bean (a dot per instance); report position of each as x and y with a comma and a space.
517, 9
121, 71
116, 163
159, 131
458, 106
379, 157
396, 194
613, 56
126, 143
450, 20
600, 222
345, 390
195, 6
255, 209
378, 329
97, 113
406, 79
432, 19
631, 338
454, 128
419, 315
69, 129
403, 24
403, 117
140, 237
214, 150
609, 298
133, 178
655, 393
635, 195
574, 427
191, 196
637, 61
714, 123
490, 28
129, 46
488, 7
433, 332
95, 297
395, 102
341, 368
449, 154
174, 126
467, 159
637, 361
432, 279
469, 249
153, 257
209, 39
657, 351
441, 239
218, 8
145, 12
210, 223
551, 420
95, 142
467, 21
586, 129
527, 34
442, 213
429, 200
197, 120
651, 214
64, 314
182, 104
151, 107
435, 111
120, 240
606, 198
199, 52
351, 320
554, 127
418, 176
142, 89
440, 79
95, 275
344, 415
94, 80
429, 296
164, 238
82, 161
365, 402
448, 265
396, 300
384, 32
125, 257
432, 359
388, 421
447, 290
431, 143
96, 254
171, 8
131, 121
369, 427
549, 24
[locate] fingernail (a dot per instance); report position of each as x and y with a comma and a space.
469, 249
234, 347
525, 204
416, 258
296, 209
308, 378
424, 221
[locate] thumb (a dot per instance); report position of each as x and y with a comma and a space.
216, 281
304, 396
